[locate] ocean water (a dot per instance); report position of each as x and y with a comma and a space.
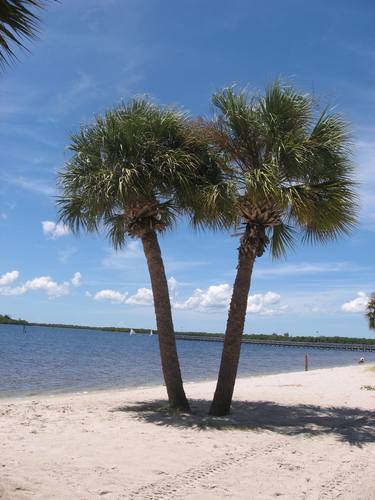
53, 360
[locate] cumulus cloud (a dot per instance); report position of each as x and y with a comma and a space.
173, 287
218, 297
76, 280
54, 230
356, 305
215, 297
143, 297
46, 284
42, 283
266, 304
111, 296
9, 278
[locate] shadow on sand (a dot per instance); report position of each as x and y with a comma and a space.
352, 425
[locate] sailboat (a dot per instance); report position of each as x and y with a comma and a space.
151, 332
132, 332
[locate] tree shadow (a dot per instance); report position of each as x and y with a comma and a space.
352, 425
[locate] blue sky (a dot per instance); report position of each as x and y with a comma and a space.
93, 53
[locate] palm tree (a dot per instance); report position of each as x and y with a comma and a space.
293, 178
132, 172
370, 312
17, 22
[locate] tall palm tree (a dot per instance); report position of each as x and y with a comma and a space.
18, 22
370, 312
293, 178
132, 172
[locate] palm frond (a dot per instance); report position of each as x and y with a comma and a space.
214, 207
18, 22
286, 160
282, 239
135, 169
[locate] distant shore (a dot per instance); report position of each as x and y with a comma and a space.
304, 435
272, 338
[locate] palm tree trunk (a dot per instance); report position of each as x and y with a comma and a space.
232, 342
166, 336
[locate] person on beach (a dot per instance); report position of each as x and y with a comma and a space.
361, 360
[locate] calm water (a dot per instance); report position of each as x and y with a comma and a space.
50, 360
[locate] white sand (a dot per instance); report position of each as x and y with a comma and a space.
293, 436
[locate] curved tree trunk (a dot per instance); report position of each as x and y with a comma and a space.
167, 340
232, 342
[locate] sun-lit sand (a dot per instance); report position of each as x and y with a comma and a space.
294, 436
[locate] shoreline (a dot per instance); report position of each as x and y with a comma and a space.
301, 435
100, 390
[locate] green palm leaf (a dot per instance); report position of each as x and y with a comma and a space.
283, 155
138, 167
18, 22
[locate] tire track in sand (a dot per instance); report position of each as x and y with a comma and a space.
173, 485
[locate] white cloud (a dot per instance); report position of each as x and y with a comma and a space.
218, 297
54, 230
173, 287
143, 297
9, 278
112, 296
265, 304
42, 283
46, 284
76, 280
356, 305
215, 297
8, 290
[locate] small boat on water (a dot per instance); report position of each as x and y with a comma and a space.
132, 332
151, 333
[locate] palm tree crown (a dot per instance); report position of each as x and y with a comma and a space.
17, 22
292, 173
134, 170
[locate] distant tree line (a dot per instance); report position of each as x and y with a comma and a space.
6, 319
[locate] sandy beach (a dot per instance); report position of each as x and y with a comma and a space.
307, 435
